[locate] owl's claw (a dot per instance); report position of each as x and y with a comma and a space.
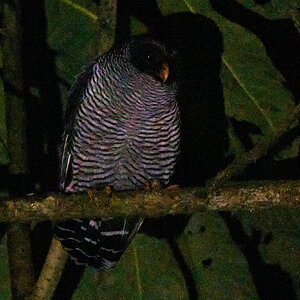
152, 184
172, 187
108, 190
93, 197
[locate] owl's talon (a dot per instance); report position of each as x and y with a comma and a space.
152, 184
172, 187
108, 190
92, 196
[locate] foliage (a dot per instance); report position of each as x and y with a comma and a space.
148, 269
253, 88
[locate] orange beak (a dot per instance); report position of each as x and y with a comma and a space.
164, 72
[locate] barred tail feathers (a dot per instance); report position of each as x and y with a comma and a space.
97, 243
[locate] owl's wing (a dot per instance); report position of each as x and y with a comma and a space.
76, 97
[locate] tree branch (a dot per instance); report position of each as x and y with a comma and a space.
258, 151
19, 250
21, 268
156, 203
14, 89
51, 273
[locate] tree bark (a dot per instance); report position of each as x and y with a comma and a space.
51, 273
14, 89
18, 242
19, 256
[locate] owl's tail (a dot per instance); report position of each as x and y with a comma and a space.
97, 243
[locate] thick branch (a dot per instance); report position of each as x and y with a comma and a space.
51, 273
159, 202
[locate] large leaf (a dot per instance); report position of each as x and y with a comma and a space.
74, 40
275, 9
146, 271
219, 269
280, 242
253, 87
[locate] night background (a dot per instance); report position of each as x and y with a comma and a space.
238, 78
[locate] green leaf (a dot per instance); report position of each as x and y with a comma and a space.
147, 270
218, 267
288, 152
137, 27
253, 87
81, 9
72, 33
275, 9
220, 270
283, 247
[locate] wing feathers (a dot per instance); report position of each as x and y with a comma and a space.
76, 97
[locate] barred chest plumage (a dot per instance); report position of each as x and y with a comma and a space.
126, 139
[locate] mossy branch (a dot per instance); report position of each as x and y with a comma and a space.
156, 203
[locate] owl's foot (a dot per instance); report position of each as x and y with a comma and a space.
172, 187
152, 184
108, 190
92, 194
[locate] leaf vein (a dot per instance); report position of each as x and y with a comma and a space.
81, 9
